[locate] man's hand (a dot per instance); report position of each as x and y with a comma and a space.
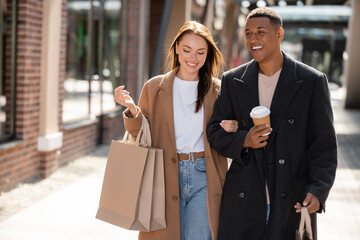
257, 136
311, 202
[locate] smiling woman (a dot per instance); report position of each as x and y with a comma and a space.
192, 51
213, 63
178, 106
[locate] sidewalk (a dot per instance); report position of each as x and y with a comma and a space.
64, 205
61, 207
342, 217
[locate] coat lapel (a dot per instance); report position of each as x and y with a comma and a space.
208, 104
246, 88
166, 96
248, 95
285, 91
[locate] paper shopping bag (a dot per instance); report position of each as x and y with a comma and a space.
132, 196
120, 194
305, 231
158, 195
158, 201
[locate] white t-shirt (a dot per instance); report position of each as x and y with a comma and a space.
188, 124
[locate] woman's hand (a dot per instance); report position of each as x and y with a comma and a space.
229, 125
122, 97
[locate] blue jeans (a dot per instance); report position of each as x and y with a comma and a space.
194, 223
267, 214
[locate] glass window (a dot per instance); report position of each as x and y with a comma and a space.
7, 61
111, 62
92, 67
76, 105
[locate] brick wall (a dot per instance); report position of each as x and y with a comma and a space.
78, 141
20, 161
48, 162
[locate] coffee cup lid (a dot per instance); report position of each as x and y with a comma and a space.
259, 112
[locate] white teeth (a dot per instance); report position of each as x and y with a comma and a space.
191, 64
257, 47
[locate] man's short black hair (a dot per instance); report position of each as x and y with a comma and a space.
270, 13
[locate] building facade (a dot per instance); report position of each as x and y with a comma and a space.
55, 103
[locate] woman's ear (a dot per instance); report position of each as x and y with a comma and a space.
176, 47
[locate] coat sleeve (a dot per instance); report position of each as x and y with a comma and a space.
227, 144
322, 150
133, 124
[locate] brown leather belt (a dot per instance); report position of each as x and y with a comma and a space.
187, 156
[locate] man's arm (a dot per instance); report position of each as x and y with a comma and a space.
322, 150
228, 144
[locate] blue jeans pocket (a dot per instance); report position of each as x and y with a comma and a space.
200, 164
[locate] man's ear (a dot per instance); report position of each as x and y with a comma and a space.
280, 33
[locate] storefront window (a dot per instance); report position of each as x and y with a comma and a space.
7, 69
92, 67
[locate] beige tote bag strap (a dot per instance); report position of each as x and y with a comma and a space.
305, 221
146, 137
128, 138
143, 137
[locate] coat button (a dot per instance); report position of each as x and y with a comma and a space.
241, 195
281, 161
283, 196
175, 198
291, 121
173, 160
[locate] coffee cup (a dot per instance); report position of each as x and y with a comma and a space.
260, 115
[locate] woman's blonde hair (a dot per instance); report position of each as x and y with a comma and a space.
214, 63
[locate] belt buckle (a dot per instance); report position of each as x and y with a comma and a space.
191, 156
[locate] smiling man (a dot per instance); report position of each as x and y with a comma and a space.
273, 175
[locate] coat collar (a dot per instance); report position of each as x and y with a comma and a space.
166, 83
166, 96
285, 91
247, 90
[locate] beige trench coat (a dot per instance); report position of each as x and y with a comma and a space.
156, 103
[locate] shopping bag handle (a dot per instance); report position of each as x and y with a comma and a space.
144, 133
143, 136
305, 221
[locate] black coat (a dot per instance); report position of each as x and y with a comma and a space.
301, 155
